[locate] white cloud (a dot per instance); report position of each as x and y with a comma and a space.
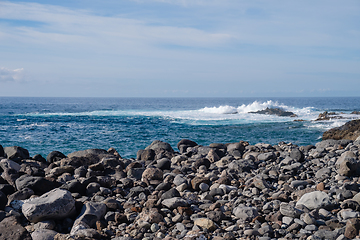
11, 75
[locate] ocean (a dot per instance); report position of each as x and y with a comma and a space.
42, 125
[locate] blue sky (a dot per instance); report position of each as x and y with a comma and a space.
179, 48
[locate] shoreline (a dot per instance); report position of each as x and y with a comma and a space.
220, 191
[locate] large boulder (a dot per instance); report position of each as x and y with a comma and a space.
87, 157
40, 185
55, 156
56, 204
350, 131
162, 149
16, 153
184, 144
90, 213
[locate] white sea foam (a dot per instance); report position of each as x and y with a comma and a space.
218, 115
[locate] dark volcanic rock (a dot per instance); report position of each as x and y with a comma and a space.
350, 131
91, 156
143, 154
40, 185
276, 111
184, 144
11, 229
55, 156
2, 153
327, 116
3, 200
16, 153
162, 149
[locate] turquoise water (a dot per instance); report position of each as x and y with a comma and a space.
42, 125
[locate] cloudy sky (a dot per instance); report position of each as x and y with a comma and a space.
179, 48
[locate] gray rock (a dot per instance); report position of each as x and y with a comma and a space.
56, 204
47, 224
245, 213
289, 211
323, 173
23, 194
314, 200
174, 202
179, 179
170, 194
11, 229
297, 183
9, 164
297, 155
43, 234
40, 185
203, 187
242, 165
266, 156
90, 213
154, 227
54, 156
92, 188
16, 153
135, 173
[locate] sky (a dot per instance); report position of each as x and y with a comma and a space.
180, 48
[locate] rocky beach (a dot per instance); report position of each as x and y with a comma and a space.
221, 191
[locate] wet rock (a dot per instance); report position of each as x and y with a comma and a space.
350, 131
275, 111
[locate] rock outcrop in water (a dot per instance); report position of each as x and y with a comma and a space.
276, 111
350, 131
220, 191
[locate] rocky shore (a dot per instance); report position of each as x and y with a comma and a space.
220, 191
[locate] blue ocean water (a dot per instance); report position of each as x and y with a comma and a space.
42, 125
